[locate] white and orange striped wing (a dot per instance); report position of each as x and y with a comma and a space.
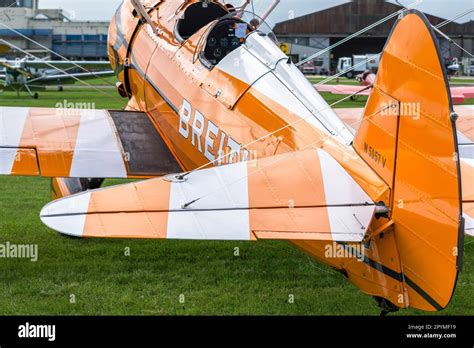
300, 196
80, 143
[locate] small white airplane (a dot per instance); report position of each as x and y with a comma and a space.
25, 74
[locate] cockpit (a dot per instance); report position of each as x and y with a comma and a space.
226, 36
228, 32
197, 16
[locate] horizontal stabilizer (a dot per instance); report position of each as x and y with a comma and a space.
300, 196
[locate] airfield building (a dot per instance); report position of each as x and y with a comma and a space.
310, 33
53, 28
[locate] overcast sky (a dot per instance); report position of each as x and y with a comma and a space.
104, 9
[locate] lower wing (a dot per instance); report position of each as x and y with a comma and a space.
81, 143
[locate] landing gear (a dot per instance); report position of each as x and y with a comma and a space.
33, 95
386, 306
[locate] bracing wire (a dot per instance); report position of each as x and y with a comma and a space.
360, 32
329, 79
291, 124
454, 18
181, 176
315, 144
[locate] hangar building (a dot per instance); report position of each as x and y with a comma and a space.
53, 29
313, 32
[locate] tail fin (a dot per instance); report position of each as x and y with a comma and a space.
408, 136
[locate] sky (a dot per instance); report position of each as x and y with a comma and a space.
104, 9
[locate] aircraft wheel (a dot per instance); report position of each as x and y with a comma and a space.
60, 88
35, 96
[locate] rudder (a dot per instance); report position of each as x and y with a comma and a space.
408, 136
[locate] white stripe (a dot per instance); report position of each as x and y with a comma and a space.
12, 124
341, 189
7, 159
252, 63
97, 152
72, 225
274, 90
243, 66
220, 188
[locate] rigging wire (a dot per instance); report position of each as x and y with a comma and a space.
450, 40
329, 79
183, 175
180, 177
454, 18
350, 37
315, 144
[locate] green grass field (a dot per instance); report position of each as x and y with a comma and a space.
104, 281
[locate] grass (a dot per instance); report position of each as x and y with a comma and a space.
104, 281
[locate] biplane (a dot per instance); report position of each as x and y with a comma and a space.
233, 143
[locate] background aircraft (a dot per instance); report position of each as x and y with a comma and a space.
25, 74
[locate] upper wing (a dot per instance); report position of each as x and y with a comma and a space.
72, 77
81, 143
298, 196
465, 128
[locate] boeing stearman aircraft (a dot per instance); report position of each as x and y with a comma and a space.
238, 145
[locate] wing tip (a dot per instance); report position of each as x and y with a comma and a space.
67, 215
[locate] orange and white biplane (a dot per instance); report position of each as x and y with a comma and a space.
236, 144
